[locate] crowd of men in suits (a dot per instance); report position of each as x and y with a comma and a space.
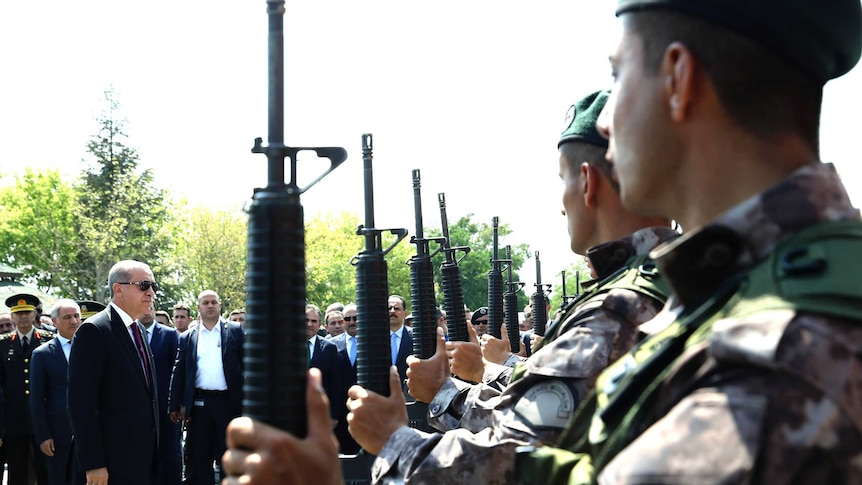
124, 393
120, 397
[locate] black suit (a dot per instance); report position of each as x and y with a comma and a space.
113, 411
19, 444
165, 343
345, 377
48, 385
209, 411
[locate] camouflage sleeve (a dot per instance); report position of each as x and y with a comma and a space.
447, 409
412, 457
497, 376
512, 360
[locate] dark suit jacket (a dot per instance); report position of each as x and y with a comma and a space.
345, 377
114, 414
165, 344
48, 384
404, 350
185, 370
14, 382
325, 358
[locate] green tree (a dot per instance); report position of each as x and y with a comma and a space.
331, 242
478, 236
213, 257
37, 229
122, 215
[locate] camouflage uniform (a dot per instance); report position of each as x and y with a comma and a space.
758, 379
546, 388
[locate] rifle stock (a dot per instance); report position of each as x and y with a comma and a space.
275, 365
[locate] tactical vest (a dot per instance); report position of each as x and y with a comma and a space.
639, 275
815, 271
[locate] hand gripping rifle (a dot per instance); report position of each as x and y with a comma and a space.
453, 291
495, 285
540, 309
424, 306
275, 363
510, 300
372, 291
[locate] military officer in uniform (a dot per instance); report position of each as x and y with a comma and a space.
19, 442
90, 308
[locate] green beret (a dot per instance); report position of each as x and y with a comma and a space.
581, 120
823, 38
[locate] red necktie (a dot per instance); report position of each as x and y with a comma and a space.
142, 351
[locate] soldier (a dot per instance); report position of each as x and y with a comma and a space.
592, 332
756, 378
16, 348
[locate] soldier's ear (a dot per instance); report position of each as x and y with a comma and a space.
589, 180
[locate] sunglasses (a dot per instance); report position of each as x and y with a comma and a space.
350, 319
480, 322
143, 285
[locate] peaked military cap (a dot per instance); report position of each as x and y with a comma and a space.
90, 308
480, 312
581, 120
22, 302
823, 38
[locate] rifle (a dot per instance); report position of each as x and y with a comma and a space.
372, 291
510, 299
453, 292
423, 303
275, 364
495, 285
540, 309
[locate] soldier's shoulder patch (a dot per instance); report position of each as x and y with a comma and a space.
6, 336
44, 334
548, 404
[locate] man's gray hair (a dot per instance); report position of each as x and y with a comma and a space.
62, 303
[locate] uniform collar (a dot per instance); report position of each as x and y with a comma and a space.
696, 264
609, 257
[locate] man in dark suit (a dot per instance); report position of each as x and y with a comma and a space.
345, 377
321, 353
16, 348
48, 384
206, 386
400, 337
113, 405
164, 342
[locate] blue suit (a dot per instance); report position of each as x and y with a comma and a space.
165, 344
113, 411
345, 377
48, 386
404, 350
208, 411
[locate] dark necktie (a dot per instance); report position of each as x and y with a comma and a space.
25, 345
142, 351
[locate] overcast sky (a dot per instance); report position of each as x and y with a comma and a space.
472, 93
